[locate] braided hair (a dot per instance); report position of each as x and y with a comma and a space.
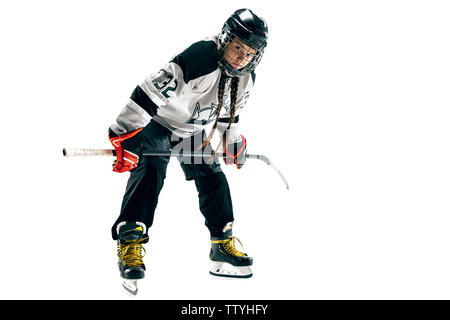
221, 90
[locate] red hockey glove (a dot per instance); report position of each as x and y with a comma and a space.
235, 153
126, 160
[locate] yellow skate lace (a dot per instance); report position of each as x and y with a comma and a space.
132, 252
229, 246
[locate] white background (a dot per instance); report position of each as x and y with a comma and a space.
351, 102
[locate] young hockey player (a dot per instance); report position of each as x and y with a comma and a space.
209, 82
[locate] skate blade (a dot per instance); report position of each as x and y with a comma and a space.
130, 286
223, 269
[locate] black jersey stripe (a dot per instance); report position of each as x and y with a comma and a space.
198, 60
227, 120
143, 100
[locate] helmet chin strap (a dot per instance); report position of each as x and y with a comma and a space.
228, 73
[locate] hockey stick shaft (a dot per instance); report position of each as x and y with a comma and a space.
85, 152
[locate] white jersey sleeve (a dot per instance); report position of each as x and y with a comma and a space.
154, 94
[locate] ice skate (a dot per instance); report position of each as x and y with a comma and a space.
227, 260
130, 253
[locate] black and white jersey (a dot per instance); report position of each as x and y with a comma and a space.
183, 95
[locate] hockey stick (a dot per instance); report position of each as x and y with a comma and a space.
80, 152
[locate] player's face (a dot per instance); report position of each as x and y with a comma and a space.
238, 54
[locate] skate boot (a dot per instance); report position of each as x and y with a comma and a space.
130, 253
227, 260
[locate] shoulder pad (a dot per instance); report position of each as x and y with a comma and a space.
197, 60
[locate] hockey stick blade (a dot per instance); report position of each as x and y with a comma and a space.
270, 164
83, 152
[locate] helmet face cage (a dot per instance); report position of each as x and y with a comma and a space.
225, 38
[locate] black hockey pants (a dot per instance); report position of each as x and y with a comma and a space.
147, 179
